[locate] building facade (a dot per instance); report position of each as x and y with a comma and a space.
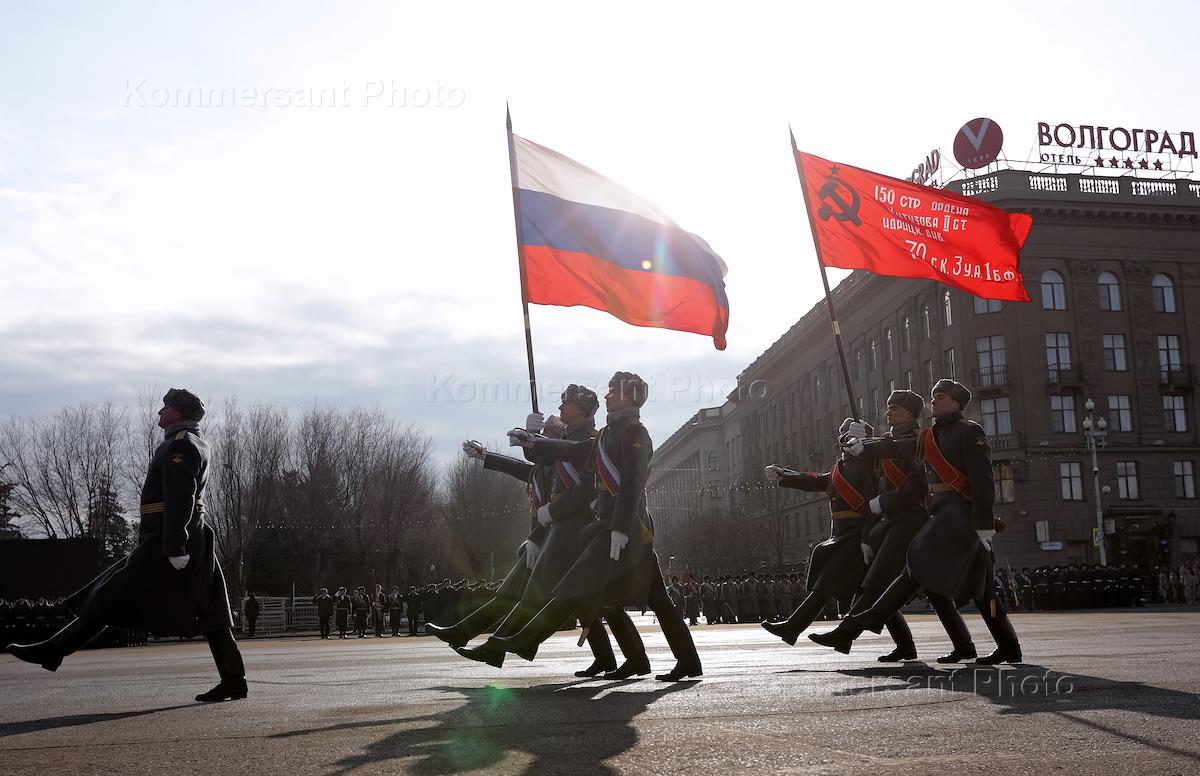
1112, 267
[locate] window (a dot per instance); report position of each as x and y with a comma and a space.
926, 330
947, 311
862, 408
1120, 416
1174, 413
875, 406
1110, 291
1058, 352
908, 379
1062, 414
948, 360
1002, 473
990, 352
1185, 480
891, 387
1070, 478
714, 461
873, 351
1114, 353
1054, 291
1127, 483
906, 334
930, 377
858, 364
986, 306
889, 346
996, 416
1164, 294
1168, 356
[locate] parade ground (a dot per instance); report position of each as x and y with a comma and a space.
1102, 692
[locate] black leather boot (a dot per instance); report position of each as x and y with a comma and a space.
225, 691
840, 638
488, 652
602, 650
959, 653
478, 621
680, 672
1008, 647
905, 648
630, 668
597, 667
525, 643
49, 654
805, 614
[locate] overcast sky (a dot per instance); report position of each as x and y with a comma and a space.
362, 250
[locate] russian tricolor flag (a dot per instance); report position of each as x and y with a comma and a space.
587, 241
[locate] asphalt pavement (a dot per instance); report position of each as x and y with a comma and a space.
1102, 692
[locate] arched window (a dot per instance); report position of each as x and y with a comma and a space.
858, 364
714, 463
926, 330
1054, 291
873, 347
889, 345
1164, 294
947, 312
906, 334
1110, 291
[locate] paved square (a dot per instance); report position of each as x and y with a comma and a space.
1104, 692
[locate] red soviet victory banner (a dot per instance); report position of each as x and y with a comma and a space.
863, 220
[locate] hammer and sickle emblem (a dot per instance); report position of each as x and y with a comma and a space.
835, 203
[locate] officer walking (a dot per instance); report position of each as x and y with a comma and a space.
171, 583
324, 604
251, 612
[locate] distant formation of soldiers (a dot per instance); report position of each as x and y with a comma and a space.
1084, 586
354, 613
26, 619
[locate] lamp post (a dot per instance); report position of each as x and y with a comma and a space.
1095, 432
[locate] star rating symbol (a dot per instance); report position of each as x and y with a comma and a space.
1098, 163
1144, 164
1158, 164
1129, 164
833, 170
1115, 162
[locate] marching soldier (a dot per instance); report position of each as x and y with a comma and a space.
413, 603
952, 554
618, 565
837, 564
553, 544
708, 597
171, 583
1025, 585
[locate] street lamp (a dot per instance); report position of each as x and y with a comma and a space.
1095, 432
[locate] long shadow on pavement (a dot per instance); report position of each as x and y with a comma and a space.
1028, 689
71, 720
564, 727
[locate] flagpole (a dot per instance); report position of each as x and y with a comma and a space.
512, 167
833, 319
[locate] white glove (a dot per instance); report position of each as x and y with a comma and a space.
473, 449
853, 446
535, 422
554, 428
543, 515
180, 561
875, 508
857, 429
774, 473
867, 552
519, 437
985, 537
619, 540
532, 551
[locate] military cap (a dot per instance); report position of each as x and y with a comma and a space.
583, 397
956, 391
909, 400
186, 402
628, 381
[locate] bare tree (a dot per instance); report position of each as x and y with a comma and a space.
488, 511
62, 464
